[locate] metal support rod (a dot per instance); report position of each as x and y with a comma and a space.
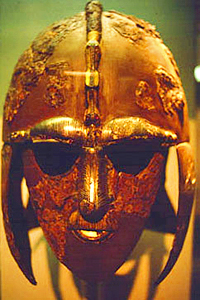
92, 290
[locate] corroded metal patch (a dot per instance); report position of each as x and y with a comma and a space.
25, 77
31, 65
59, 84
170, 92
130, 27
93, 12
144, 96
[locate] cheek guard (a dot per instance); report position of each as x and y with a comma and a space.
108, 118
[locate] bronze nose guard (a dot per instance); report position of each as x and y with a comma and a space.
94, 186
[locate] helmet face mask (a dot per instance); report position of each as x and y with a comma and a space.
88, 209
88, 125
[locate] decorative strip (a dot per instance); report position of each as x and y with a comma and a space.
93, 12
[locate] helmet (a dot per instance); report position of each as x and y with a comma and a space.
93, 107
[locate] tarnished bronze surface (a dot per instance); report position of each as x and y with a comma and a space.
93, 106
67, 208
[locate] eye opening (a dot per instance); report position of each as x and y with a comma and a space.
132, 157
55, 158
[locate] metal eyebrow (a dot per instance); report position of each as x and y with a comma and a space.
133, 128
63, 129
